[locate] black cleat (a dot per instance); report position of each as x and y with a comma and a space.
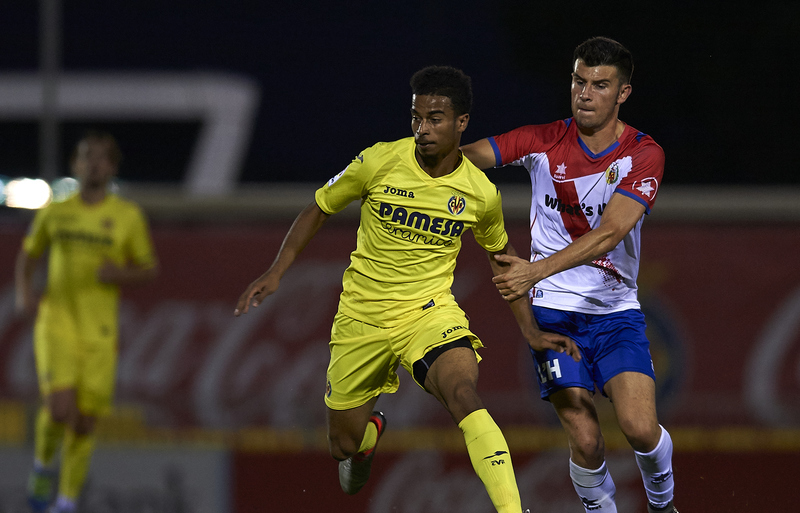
354, 471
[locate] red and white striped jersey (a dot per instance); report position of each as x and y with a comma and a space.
570, 188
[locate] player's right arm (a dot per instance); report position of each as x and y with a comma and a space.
25, 300
480, 153
34, 244
537, 339
305, 226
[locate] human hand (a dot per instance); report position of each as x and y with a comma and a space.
256, 293
109, 272
541, 340
25, 304
514, 283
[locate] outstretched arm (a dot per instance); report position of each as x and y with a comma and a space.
537, 339
480, 153
619, 217
305, 226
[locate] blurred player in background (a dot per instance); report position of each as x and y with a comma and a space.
418, 196
97, 242
594, 178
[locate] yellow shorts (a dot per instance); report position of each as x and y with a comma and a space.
65, 361
365, 358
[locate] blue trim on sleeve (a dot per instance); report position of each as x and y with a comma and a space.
498, 160
636, 197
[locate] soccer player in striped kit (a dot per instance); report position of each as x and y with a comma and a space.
593, 179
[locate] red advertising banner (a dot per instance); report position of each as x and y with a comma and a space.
722, 304
723, 310
434, 482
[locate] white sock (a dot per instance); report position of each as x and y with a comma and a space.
65, 505
595, 488
656, 468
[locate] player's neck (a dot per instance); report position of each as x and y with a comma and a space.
598, 140
436, 166
93, 195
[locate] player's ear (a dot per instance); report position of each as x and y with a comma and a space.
462, 121
624, 93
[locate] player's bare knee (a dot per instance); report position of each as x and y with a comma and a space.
590, 448
84, 425
642, 436
61, 411
60, 415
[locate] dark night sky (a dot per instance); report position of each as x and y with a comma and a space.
715, 83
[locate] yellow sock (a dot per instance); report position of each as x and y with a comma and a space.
75, 457
491, 460
47, 437
370, 437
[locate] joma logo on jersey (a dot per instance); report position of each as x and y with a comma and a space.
456, 204
398, 192
448, 331
421, 221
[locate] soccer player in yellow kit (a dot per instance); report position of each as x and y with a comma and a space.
418, 196
97, 242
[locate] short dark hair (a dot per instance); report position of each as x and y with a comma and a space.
114, 151
445, 81
604, 51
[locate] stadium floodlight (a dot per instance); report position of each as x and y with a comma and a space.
3, 180
30, 193
63, 188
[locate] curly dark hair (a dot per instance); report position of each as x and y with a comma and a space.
445, 81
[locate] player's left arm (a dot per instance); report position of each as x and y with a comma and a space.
129, 274
619, 217
141, 265
537, 339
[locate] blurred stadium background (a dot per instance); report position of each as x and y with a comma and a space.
231, 114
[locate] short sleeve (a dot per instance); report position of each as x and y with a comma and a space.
644, 178
490, 231
141, 250
37, 239
348, 185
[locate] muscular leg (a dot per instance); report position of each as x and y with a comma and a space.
590, 477
634, 399
78, 444
578, 415
452, 379
55, 414
346, 429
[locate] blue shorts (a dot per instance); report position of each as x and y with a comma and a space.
610, 344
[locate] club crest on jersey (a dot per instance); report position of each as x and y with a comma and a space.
612, 173
647, 187
456, 204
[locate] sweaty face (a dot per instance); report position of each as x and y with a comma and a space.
596, 93
437, 129
93, 165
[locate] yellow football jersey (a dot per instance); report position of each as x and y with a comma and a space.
410, 230
81, 238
